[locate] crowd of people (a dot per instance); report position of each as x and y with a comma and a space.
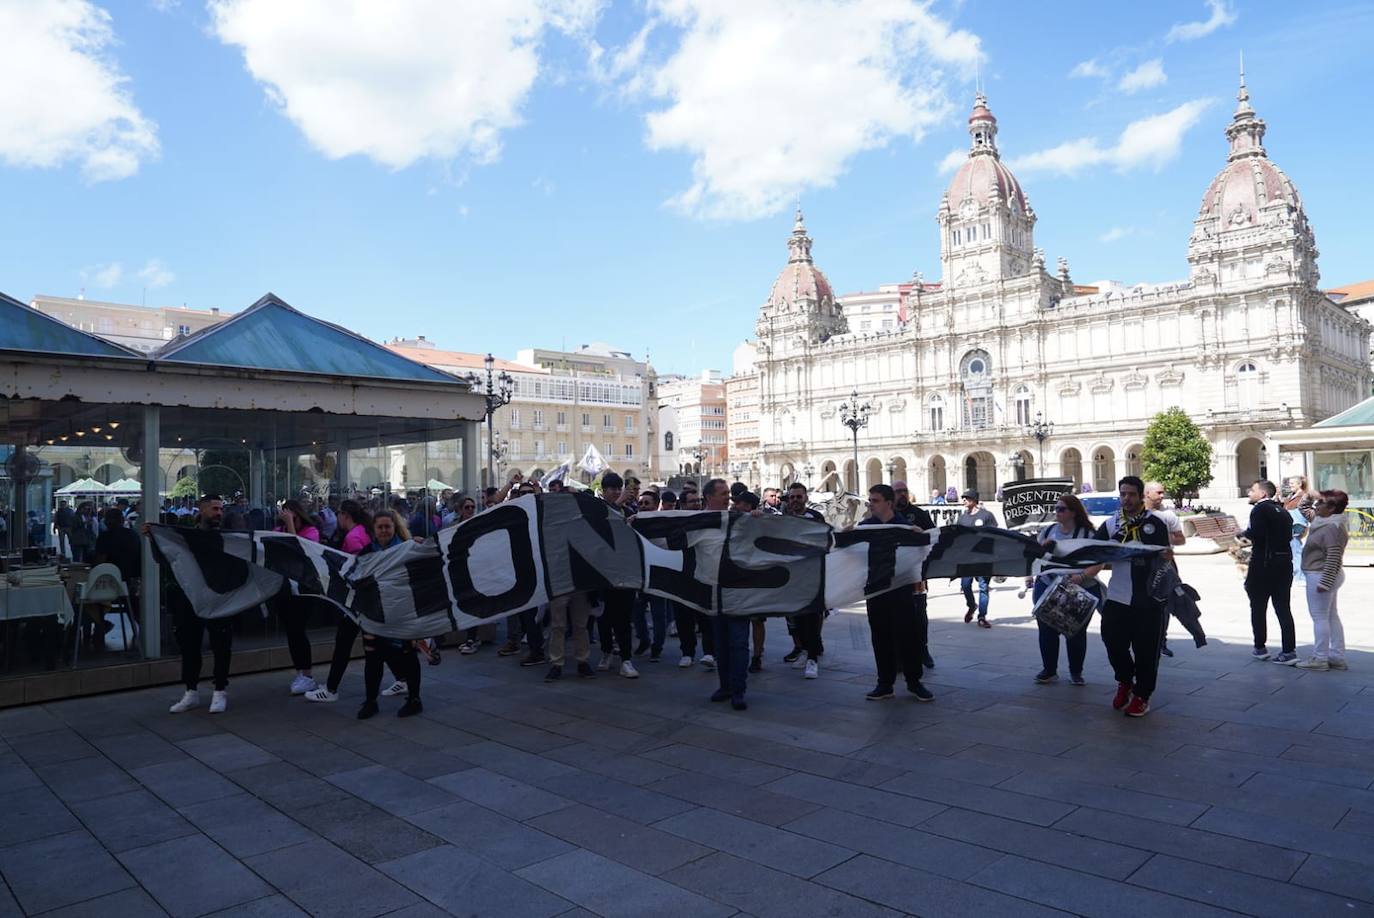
1132, 604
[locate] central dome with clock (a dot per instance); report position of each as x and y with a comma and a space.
986, 222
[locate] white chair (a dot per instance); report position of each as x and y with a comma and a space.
103, 585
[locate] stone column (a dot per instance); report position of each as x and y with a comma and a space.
470, 462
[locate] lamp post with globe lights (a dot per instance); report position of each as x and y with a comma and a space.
1040, 430
854, 415
499, 387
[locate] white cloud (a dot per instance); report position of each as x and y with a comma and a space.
103, 276
1147, 76
952, 161
63, 99
1149, 143
155, 274
1116, 232
544, 186
772, 97
1090, 69
164, 6
398, 82
1221, 15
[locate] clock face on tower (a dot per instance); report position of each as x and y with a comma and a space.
968, 208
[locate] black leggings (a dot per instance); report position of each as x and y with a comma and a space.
344, 636
190, 632
404, 663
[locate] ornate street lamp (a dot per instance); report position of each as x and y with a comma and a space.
855, 415
499, 389
1040, 430
807, 471
891, 470
699, 456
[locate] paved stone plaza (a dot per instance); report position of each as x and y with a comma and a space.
1247, 789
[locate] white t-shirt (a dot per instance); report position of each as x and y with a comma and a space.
1170, 519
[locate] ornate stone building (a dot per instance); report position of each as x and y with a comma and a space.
957, 369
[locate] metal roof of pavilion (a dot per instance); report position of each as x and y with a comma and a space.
272, 335
23, 328
1354, 416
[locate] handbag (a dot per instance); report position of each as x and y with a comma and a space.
1066, 607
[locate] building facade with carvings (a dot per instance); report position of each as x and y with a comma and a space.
956, 369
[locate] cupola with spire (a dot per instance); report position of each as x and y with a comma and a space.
986, 223
801, 304
1251, 225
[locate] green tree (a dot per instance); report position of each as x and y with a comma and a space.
224, 471
1177, 455
184, 487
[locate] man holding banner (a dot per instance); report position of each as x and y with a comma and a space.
892, 621
731, 631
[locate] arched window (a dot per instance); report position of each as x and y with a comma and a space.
976, 370
937, 413
1022, 401
667, 441
1247, 385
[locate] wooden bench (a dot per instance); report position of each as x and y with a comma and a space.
1221, 530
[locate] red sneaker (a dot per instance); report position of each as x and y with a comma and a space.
1123, 695
1138, 707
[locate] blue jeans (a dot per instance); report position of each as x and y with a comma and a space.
651, 620
966, 584
732, 652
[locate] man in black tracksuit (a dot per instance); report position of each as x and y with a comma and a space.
1269, 577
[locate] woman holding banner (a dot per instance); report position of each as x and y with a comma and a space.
1071, 521
355, 524
389, 531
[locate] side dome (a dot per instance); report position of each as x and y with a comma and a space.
1249, 183
1244, 188
800, 281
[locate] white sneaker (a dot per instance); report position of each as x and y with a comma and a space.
321, 694
685, 663
627, 669
708, 661
188, 701
395, 688
302, 684
801, 661
219, 702
813, 669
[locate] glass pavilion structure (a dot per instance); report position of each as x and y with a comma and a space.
270, 403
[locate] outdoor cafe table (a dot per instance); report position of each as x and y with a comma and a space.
36, 597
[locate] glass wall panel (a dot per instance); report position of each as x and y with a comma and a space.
65, 465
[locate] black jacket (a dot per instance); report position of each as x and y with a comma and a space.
1269, 532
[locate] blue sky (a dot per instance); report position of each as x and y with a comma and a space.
553, 172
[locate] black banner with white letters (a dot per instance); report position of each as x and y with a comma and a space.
523, 553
